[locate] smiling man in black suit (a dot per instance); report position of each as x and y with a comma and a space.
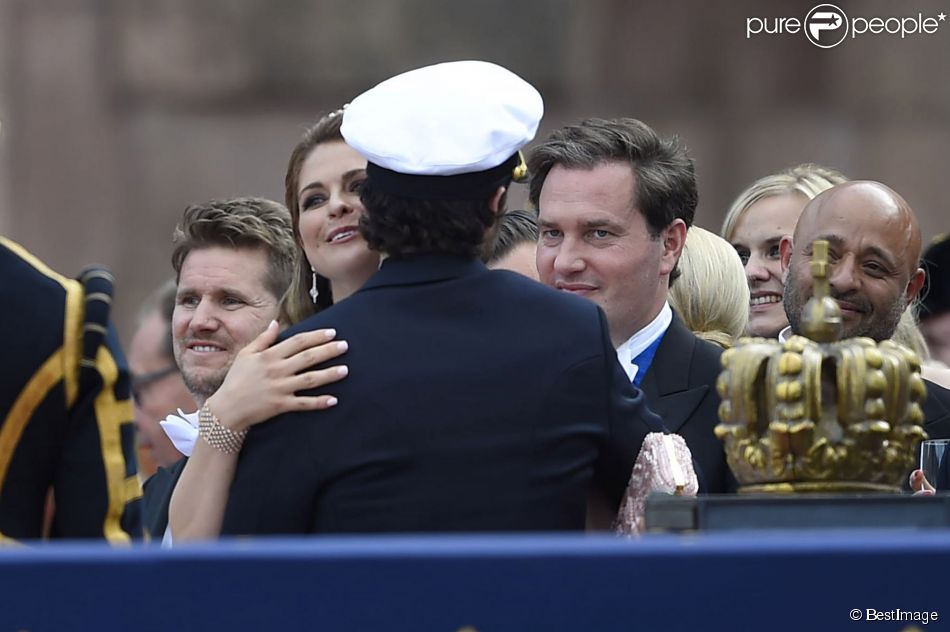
615, 201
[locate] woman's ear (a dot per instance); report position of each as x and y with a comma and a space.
497, 202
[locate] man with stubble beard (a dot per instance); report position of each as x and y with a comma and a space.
233, 261
873, 255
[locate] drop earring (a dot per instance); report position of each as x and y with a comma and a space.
314, 292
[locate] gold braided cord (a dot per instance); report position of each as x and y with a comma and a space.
75, 310
72, 339
111, 414
35, 391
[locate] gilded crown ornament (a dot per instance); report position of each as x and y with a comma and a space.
814, 414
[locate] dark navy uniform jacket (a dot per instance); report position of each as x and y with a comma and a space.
476, 400
65, 413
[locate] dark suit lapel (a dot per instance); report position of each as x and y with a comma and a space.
666, 383
936, 409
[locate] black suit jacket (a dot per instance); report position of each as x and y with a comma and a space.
477, 400
680, 386
936, 409
157, 496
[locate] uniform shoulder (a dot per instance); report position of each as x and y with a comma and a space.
520, 285
21, 265
40, 294
321, 320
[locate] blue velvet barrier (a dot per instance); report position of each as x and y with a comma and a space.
810, 580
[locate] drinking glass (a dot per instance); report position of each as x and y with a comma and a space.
933, 462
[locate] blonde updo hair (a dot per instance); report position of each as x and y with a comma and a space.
808, 179
711, 295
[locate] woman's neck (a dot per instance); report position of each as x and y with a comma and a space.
357, 276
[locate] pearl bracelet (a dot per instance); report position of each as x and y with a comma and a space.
216, 435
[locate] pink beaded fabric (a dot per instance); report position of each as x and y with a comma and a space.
664, 465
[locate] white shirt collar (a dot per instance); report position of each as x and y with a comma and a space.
643, 339
785, 334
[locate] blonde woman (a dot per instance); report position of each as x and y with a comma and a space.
755, 224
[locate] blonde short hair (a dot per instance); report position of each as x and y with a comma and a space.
808, 179
711, 295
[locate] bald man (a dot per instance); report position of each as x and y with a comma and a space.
874, 251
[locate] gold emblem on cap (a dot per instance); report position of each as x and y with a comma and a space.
520, 172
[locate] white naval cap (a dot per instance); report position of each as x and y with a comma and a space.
452, 130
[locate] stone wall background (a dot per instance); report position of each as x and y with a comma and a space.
118, 113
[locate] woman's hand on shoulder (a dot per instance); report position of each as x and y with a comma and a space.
264, 378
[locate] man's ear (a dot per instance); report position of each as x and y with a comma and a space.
913, 286
497, 202
785, 255
673, 238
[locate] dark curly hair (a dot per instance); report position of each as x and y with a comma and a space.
402, 226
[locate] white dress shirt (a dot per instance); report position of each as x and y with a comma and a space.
643, 339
